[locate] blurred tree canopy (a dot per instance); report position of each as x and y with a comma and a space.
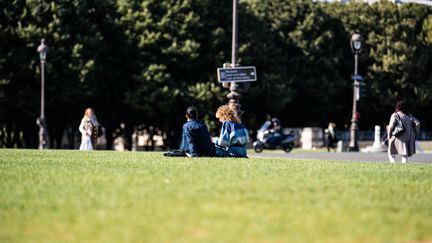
146, 61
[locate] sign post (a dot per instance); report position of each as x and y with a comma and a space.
230, 75
237, 74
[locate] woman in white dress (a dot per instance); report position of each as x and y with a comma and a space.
88, 128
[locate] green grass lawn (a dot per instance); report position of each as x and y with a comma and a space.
103, 196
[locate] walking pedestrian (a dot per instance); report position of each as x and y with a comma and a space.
402, 131
331, 140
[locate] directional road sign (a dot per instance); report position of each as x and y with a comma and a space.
237, 74
357, 77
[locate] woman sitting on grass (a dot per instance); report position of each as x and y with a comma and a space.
233, 136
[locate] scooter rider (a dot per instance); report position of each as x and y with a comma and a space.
270, 136
275, 130
276, 126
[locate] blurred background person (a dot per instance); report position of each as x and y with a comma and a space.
89, 130
331, 140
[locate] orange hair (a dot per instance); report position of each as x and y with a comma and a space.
227, 114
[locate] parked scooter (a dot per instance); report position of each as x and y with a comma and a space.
269, 139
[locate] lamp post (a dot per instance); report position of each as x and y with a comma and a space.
240, 77
235, 90
234, 94
356, 46
43, 134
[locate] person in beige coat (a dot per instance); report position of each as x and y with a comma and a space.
403, 144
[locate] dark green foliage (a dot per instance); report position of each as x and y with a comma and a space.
144, 62
396, 60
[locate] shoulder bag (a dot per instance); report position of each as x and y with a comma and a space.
398, 127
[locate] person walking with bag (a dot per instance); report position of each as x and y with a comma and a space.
402, 131
89, 130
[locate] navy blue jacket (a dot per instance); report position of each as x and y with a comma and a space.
196, 139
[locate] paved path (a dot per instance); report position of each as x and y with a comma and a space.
346, 156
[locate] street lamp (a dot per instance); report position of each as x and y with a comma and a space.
43, 134
356, 46
235, 88
234, 94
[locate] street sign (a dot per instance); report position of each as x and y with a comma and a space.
237, 74
357, 77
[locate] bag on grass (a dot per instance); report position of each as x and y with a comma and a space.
175, 153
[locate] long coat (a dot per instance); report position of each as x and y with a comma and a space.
404, 144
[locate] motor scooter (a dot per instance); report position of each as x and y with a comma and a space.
268, 139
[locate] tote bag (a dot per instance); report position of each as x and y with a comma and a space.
398, 128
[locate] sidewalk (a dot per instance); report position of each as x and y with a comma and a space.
345, 156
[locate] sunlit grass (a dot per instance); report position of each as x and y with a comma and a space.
73, 196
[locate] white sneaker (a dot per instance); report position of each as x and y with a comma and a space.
391, 158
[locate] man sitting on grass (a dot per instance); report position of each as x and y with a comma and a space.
196, 140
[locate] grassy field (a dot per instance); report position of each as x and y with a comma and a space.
73, 196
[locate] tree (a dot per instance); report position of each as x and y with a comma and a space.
396, 56
146, 61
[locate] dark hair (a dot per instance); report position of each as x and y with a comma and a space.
401, 106
276, 120
192, 112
